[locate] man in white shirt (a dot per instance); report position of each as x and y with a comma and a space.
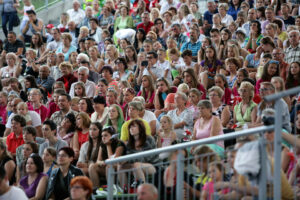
76, 13
35, 118
9, 192
153, 69
90, 87
53, 45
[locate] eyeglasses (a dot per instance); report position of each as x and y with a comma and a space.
76, 187
264, 89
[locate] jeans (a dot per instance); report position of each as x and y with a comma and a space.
7, 17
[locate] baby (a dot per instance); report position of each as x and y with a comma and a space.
22, 109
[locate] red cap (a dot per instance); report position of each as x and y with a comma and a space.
50, 26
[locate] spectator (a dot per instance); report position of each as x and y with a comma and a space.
8, 15
147, 192
81, 188
115, 118
15, 138
194, 44
127, 21
76, 13
101, 111
33, 25
88, 15
45, 81
67, 76
225, 18
66, 48
49, 157
49, 133
292, 52
208, 15
178, 36
146, 23
66, 170
7, 163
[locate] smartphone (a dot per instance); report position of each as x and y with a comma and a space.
144, 63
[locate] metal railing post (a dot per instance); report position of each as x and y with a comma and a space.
277, 150
110, 182
180, 175
263, 170
47, 10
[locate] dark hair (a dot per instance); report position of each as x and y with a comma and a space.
40, 41
267, 40
258, 26
95, 20
66, 95
90, 38
223, 77
109, 129
108, 68
103, 80
279, 23
51, 124
159, 19
32, 81
100, 100
134, 53
214, 30
193, 75
68, 150
142, 133
2, 173
262, 10
20, 119
28, 12
37, 161
153, 53
89, 104
92, 155
34, 147
265, 75
123, 61
13, 33
51, 151
30, 129
71, 117
136, 43
186, 52
290, 80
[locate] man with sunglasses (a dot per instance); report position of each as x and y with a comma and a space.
152, 68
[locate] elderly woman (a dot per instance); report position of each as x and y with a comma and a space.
245, 111
101, 112
67, 76
11, 69
66, 48
219, 109
207, 125
181, 116
225, 18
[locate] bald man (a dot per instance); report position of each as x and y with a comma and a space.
45, 81
147, 191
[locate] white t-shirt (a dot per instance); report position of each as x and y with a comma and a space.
149, 116
53, 45
166, 66
35, 118
13, 194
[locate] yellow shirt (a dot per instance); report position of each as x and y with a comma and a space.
125, 132
283, 36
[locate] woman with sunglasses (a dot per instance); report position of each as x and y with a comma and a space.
35, 182
110, 147
122, 72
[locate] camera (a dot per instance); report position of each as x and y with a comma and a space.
268, 120
144, 63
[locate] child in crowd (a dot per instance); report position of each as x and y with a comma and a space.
23, 111
75, 103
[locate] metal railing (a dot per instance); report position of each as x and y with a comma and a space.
180, 159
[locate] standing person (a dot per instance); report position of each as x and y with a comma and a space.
9, 192
9, 14
59, 180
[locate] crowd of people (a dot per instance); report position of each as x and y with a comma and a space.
117, 77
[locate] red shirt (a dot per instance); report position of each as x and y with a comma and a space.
146, 28
13, 142
68, 80
82, 138
52, 108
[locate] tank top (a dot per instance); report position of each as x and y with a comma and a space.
30, 190
82, 138
247, 115
205, 131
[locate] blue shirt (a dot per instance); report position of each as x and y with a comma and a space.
208, 16
181, 40
71, 49
194, 47
233, 12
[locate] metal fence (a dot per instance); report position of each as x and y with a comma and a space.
184, 167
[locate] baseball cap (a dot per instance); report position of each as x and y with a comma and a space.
50, 26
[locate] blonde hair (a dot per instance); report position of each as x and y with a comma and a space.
170, 121
247, 85
182, 87
216, 89
75, 100
66, 64
22, 104
67, 35
281, 81
223, 5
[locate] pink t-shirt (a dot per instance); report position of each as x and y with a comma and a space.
3, 113
209, 187
148, 99
42, 111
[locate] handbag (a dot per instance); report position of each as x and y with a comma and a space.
16, 21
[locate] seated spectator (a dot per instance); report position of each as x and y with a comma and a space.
135, 107
221, 81
245, 111
49, 158
33, 25
67, 76
110, 147
35, 99
45, 81
181, 116
190, 78
23, 111
101, 111
49, 133
28, 149
66, 48
128, 94
35, 182
240, 76
7, 163
147, 91
138, 141
208, 125
56, 188
278, 83
219, 109
147, 190
53, 102
81, 134
115, 118
270, 69
293, 77
15, 138
12, 68
85, 105
89, 150
81, 188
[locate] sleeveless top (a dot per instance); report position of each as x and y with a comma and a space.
219, 111
30, 190
205, 132
247, 115
82, 138
50, 169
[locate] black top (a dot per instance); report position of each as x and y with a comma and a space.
61, 187
13, 47
2, 164
114, 145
